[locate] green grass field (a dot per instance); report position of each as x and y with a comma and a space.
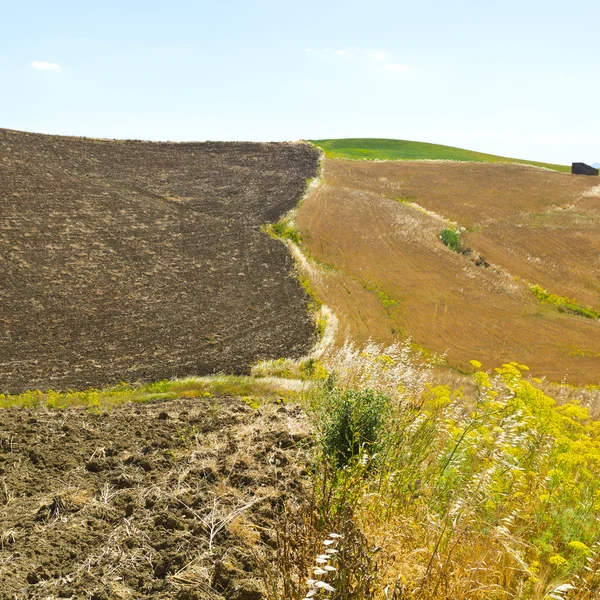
382, 149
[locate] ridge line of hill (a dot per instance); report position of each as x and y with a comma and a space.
102, 140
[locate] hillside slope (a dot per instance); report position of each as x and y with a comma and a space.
137, 260
385, 149
377, 226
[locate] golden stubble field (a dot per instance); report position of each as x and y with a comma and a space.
375, 225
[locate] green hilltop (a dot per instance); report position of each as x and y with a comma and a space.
384, 149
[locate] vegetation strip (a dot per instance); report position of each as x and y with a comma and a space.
160, 391
564, 304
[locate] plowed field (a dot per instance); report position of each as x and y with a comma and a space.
174, 500
140, 261
377, 226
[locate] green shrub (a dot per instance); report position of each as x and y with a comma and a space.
285, 229
451, 238
352, 423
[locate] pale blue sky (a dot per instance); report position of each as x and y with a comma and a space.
514, 77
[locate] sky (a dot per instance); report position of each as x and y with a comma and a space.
517, 78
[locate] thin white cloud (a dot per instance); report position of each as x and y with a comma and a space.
45, 66
395, 68
379, 56
341, 52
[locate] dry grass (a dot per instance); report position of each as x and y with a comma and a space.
493, 496
539, 225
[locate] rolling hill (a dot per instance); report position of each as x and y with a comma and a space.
127, 261
375, 226
384, 149
139, 261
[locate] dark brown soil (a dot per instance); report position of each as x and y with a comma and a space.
140, 261
171, 500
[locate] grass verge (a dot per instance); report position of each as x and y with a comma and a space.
285, 230
160, 391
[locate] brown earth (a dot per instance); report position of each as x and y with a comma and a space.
172, 500
140, 261
390, 276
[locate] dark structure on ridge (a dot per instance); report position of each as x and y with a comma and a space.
583, 169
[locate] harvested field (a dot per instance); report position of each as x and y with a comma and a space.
376, 225
140, 261
539, 225
168, 500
